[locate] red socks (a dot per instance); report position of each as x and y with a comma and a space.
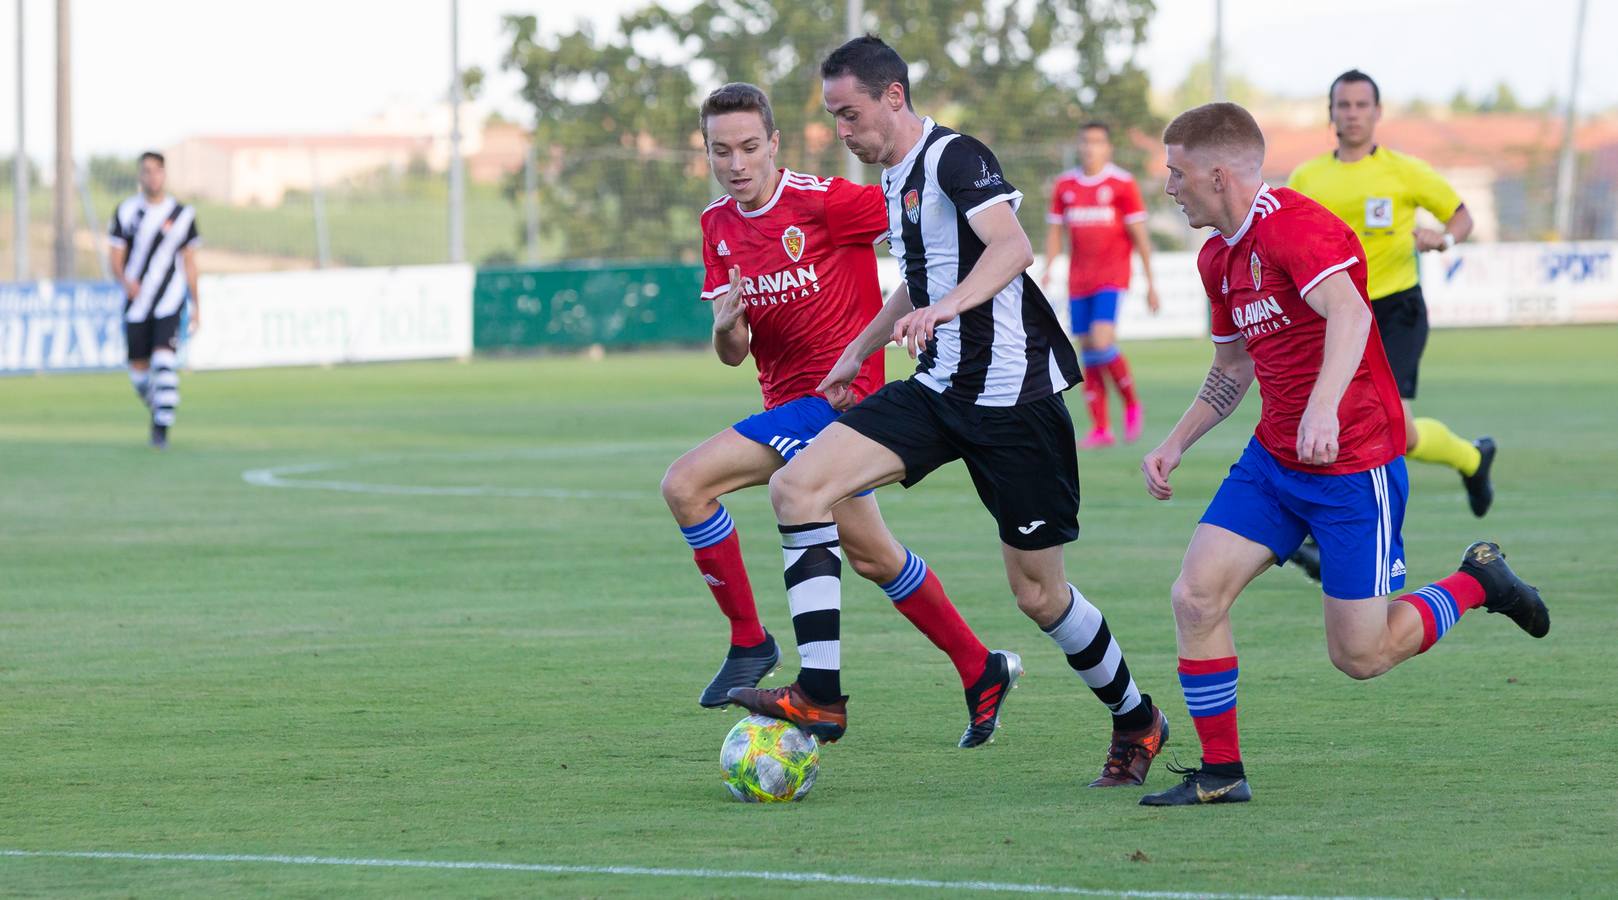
919, 595
1210, 696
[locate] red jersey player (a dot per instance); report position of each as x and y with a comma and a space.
1286, 281
1099, 207
791, 272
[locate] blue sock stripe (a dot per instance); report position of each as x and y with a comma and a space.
1445, 610
1209, 694
1100, 357
718, 527
910, 577
1209, 680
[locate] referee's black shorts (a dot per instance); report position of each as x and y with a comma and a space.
1022, 458
1401, 318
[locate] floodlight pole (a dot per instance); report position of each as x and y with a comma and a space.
1217, 53
853, 170
19, 170
457, 177
62, 213
1564, 169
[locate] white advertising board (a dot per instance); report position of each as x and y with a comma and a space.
333, 316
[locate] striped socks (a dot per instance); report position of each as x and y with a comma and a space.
1442, 603
717, 550
919, 596
1092, 652
165, 392
1209, 686
814, 568
141, 381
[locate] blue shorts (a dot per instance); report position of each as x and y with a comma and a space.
1101, 306
789, 428
1355, 518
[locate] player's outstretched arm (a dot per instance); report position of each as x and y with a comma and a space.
835, 387
1222, 391
1348, 324
731, 335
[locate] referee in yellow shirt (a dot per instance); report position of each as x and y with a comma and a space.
1376, 191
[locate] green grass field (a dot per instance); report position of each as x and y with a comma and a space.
194, 664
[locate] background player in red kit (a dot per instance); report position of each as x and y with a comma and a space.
791, 271
1098, 205
1286, 281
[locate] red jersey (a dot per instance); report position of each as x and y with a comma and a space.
1095, 209
808, 263
1255, 280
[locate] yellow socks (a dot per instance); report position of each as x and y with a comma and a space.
1435, 443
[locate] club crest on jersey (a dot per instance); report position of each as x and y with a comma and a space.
1257, 269
912, 203
1104, 194
792, 240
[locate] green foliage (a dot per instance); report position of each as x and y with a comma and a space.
617, 132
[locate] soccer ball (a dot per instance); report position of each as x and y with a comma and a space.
765, 760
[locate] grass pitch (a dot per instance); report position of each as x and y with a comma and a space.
477, 636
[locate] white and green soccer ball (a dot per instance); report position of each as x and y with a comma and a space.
765, 760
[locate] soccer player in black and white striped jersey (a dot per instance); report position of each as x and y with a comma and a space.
152, 235
993, 363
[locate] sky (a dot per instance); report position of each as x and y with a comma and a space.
147, 74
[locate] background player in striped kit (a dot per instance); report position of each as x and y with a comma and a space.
151, 236
1099, 206
792, 276
987, 390
1285, 281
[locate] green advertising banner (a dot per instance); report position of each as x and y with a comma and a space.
577, 305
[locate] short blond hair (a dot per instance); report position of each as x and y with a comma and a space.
1220, 126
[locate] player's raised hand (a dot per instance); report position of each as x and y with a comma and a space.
1156, 467
728, 307
916, 328
838, 385
1317, 436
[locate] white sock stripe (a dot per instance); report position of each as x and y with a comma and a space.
821, 655
1220, 688
826, 534
811, 595
1078, 628
165, 359
1202, 703
1101, 674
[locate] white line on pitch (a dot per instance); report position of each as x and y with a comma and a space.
654, 872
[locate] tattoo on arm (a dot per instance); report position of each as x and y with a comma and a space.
1221, 392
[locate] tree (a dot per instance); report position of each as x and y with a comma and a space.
617, 133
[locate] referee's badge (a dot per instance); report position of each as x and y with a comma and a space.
1257, 269
913, 206
792, 240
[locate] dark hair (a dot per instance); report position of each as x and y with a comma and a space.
873, 64
1221, 125
1349, 77
153, 154
1096, 123
738, 96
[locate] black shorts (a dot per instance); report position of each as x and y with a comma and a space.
144, 337
1402, 320
1022, 458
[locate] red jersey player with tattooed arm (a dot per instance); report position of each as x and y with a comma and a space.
1286, 283
791, 272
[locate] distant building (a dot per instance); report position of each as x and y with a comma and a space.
245, 170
